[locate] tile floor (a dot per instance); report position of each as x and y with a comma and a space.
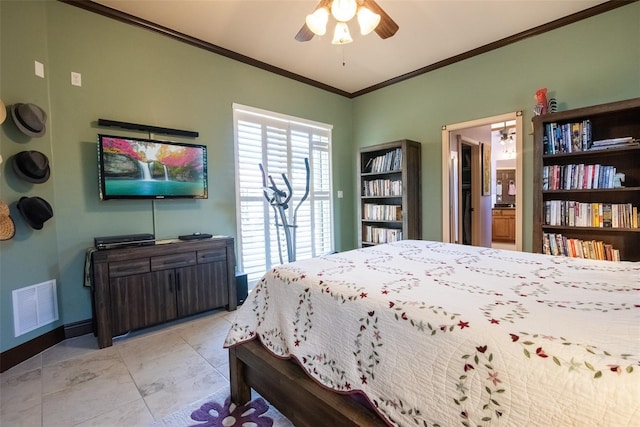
140, 379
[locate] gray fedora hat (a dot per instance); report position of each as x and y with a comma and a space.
35, 211
29, 118
32, 166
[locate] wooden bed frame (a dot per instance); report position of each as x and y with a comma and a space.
287, 387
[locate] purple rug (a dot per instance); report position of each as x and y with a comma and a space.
218, 411
213, 414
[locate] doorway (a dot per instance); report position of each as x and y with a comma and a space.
477, 133
465, 218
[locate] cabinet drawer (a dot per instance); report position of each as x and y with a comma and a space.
127, 268
212, 256
173, 261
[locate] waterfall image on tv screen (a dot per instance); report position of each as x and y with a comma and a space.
132, 168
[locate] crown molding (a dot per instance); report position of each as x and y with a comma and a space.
541, 29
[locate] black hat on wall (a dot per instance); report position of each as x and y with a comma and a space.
32, 166
29, 118
35, 211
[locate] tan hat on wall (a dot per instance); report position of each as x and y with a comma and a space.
3, 112
7, 226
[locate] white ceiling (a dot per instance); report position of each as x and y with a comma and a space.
430, 31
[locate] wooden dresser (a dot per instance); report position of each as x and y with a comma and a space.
136, 287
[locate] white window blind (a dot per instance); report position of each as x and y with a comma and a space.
281, 143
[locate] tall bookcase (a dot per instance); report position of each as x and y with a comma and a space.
599, 144
389, 207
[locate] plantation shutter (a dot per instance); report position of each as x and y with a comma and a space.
281, 143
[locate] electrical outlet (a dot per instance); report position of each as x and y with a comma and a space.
76, 79
39, 69
340, 194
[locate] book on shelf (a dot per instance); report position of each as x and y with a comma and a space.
566, 137
560, 245
374, 234
604, 144
382, 187
376, 212
576, 136
572, 213
577, 177
389, 162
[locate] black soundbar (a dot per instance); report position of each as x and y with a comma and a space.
111, 242
147, 128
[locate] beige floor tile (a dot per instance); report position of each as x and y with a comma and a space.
170, 368
224, 370
85, 400
143, 349
98, 365
21, 392
181, 393
26, 417
70, 348
131, 414
76, 384
212, 349
28, 365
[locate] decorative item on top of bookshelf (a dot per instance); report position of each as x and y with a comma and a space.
587, 184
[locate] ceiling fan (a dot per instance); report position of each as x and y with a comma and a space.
371, 17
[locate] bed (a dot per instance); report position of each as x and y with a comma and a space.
419, 333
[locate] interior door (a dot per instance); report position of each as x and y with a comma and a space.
465, 195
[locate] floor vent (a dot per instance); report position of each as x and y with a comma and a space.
34, 306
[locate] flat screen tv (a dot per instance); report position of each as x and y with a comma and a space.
135, 168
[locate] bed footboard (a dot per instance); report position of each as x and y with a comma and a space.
287, 387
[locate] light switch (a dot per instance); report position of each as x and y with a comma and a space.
340, 194
39, 66
76, 79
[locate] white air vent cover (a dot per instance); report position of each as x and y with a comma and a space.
34, 306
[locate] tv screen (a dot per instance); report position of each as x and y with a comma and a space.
134, 168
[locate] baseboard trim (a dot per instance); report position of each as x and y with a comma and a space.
16, 355
77, 329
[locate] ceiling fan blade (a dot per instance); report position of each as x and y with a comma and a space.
305, 34
387, 26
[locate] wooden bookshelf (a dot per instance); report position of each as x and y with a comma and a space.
605, 122
389, 207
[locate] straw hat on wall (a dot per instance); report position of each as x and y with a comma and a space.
7, 226
3, 112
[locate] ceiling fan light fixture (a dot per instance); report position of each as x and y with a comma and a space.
344, 10
367, 20
341, 34
317, 21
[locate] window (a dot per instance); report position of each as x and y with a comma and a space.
281, 143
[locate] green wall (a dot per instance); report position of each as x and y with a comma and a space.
590, 62
135, 75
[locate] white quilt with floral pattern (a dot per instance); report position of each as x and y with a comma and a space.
437, 334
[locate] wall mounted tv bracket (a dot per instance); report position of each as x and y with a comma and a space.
148, 128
